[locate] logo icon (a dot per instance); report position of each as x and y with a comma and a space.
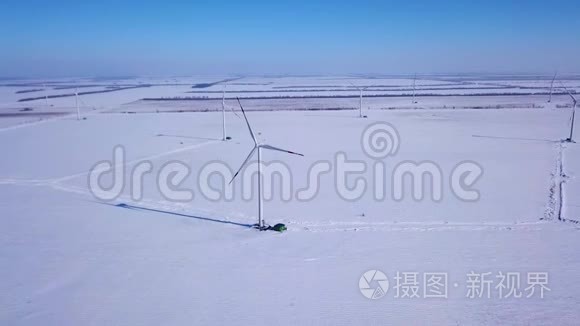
373, 284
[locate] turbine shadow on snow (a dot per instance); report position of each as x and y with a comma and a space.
133, 207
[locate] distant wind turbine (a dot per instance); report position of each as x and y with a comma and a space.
77, 103
224, 135
570, 138
258, 148
414, 86
45, 95
552, 87
224, 113
360, 104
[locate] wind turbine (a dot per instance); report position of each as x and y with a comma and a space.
77, 103
360, 89
414, 85
46, 95
258, 148
570, 137
224, 136
552, 86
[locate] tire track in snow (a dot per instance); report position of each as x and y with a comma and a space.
146, 158
59, 183
416, 226
329, 226
563, 193
554, 206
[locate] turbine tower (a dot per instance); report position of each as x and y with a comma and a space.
360, 103
258, 148
414, 85
77, 103
224, 134
46, 95
224, 113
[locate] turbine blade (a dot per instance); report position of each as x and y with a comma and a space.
353, 85
568, 91
234, 111
280, 149
244, 164
247, 122
231, 107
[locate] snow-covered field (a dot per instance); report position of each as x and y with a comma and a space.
69, 258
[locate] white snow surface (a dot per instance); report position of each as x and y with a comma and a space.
68, 258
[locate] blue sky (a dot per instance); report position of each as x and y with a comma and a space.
116, 38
